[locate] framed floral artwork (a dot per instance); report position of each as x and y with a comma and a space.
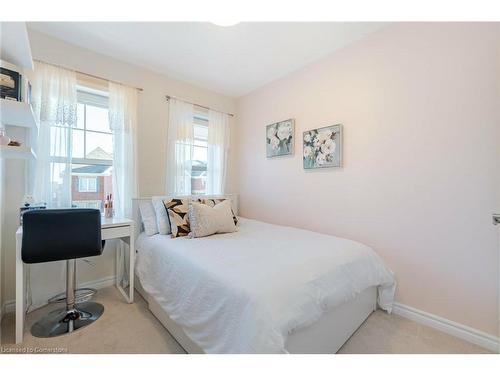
280, 138
322, 148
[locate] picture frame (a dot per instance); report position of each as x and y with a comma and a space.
322, 147
280, 138
10, 84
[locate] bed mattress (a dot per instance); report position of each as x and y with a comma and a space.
245, 292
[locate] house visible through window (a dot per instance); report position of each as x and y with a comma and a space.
200, 155
92, 151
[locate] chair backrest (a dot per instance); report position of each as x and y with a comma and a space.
61, 234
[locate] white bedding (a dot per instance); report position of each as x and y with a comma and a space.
245, 292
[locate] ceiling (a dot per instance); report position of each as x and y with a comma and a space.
230, 60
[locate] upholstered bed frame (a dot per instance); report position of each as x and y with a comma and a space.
327, 335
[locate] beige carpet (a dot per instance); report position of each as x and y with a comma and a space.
132, 328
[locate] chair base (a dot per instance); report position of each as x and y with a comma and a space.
61, 322
81, 295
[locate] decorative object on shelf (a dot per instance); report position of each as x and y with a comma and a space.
280, 138
14, 143
10, 84
322, 147
108, 206
28, 200
4, 140
25, 90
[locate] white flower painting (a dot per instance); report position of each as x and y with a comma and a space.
323, 147
280, 138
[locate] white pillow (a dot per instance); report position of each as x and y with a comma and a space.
205, 220
162, 221
148, 217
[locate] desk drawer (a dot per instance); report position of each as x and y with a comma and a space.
115, 232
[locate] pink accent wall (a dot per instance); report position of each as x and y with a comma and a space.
420, 105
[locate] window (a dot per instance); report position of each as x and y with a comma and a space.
91, 151
87, 184
92, 137
200, 155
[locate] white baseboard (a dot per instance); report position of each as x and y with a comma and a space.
10, 306
452, 328
3, 311
100, 283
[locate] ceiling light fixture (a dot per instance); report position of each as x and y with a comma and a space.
225, 23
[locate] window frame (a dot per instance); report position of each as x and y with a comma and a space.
199, 119
95, 98
98, 98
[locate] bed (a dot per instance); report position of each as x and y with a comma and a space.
263, 289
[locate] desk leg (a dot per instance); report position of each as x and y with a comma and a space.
131, 265
19, 291
130, 297
117, 263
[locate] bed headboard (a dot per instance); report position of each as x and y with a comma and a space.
136, 215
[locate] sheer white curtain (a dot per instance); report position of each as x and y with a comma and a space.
123, 123
54, 103
179, 147
218, 149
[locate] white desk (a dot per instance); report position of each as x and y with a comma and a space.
110, 229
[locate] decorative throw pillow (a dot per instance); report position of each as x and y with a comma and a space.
212, 202
206, 220
178, 216
162, 221
148, 217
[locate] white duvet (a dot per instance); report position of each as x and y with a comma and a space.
245, 292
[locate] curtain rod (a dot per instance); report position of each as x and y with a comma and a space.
89, 75
198, 105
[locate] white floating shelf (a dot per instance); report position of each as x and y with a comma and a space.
15, 44
17, 152
17, 114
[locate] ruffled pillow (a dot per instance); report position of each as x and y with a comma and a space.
205, 220
212, 202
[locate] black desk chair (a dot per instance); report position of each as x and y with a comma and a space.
63, 234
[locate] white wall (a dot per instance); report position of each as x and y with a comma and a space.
2, 189
420, 106
152, 123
